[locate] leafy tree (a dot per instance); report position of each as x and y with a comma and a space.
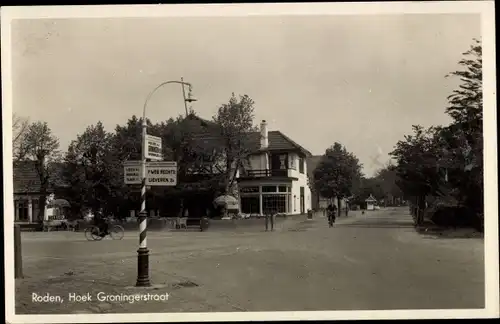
235, 120
466, 109
92, 169
19, 128
388, 179
417, 166
39, 145
337, 173
446, 161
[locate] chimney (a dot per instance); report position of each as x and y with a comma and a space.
264, 140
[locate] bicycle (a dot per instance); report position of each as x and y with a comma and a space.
93, 233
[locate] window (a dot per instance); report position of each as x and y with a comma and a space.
22, 210
268, 188
249, 190
273, 204
301, 165
250, 205
294, 203
282, 188
283, 162
292, 162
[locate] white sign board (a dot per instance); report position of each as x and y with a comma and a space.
157, 173
132, 172
153, 148
161, 174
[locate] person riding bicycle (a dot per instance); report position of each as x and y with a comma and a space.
332, 213
102, 222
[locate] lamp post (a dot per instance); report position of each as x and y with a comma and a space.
143, 252
189, 97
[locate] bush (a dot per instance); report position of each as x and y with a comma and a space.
458, 216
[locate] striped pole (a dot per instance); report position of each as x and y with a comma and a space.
143, 252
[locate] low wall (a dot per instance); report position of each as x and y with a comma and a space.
160, 224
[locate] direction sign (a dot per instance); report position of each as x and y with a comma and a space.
161, 173
157, 173
153, 145
132, 172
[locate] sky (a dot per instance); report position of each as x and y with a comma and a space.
359, 80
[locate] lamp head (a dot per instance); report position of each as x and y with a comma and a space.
190, 97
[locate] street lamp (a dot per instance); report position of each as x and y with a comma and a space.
189, 97
143, 252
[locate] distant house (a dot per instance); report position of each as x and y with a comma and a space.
370, 203
319, 202
27, 191
274, 175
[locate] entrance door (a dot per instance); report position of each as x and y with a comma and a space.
302, 201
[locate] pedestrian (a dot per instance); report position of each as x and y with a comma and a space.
269, 218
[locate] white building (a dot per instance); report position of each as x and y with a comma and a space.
274, 177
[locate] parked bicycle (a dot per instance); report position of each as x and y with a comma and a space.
94, 233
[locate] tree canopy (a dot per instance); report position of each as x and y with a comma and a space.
447, 161
337, 173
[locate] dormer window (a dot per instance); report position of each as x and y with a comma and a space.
301, 165
283, 162
292, 162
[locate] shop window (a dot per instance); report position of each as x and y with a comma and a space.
250, 205
273, 204
268, 188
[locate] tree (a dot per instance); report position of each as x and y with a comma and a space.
466, 109
19, 128
337, 173
39, 145
417, 166
92, 169
387, 179
235, 121
445, 162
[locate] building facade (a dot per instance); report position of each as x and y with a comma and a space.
27, 194
274, 176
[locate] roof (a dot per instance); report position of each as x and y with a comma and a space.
26, 179
276, 139
371, 198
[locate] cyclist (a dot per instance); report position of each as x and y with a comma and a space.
332, 211
102, 223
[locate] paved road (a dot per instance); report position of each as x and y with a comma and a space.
365, 262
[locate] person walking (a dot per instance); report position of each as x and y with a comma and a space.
269, 218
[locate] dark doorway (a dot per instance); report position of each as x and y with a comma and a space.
302, 201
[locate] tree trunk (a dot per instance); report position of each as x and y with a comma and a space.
339, 204
420, 209
41, 207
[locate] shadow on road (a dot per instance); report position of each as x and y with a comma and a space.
444, 233
375, 225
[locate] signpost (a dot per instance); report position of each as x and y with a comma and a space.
132, 172
157, 173
153, 148
161, 173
